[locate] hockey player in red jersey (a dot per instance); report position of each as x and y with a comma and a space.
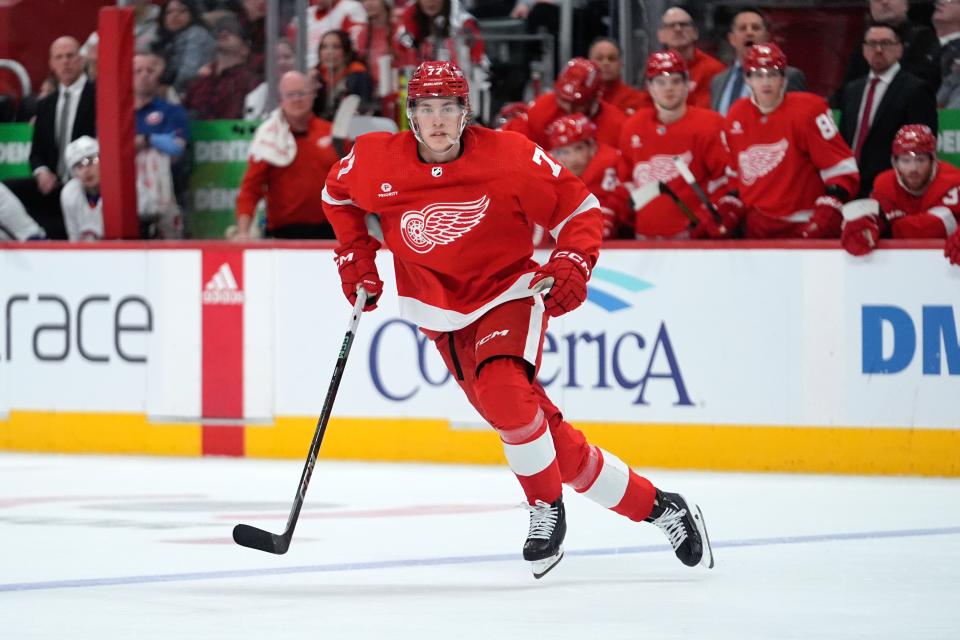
577, 90
793, 169
456, 204
572, 141
652, 138
918, 198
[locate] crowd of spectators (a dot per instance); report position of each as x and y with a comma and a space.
202, 60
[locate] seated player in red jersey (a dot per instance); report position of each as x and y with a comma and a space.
573, 142
653, 138
456, 205
793, 170
918, 198
577, 90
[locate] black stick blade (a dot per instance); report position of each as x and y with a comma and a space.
254, 538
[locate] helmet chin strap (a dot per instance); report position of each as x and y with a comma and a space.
415, 127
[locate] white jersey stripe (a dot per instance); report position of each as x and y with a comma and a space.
513, 436
949, 221
439, 319
326, 197
533, 457
590, 202
611, 485
848, 165
531, 346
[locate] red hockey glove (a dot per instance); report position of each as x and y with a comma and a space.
859, 237
570, 272
610, 222
826, 219
952, 249
357, 268
730, 209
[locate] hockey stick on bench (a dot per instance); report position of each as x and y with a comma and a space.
247, 536
689, 178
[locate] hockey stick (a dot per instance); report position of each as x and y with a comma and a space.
692, 181
667, 191
247, 536
648, 192
340, 130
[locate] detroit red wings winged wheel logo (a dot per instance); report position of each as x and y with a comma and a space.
659, 168
441, 223
760, 159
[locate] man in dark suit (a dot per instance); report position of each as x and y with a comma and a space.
946, 22
63, 116
875, 106
747, 28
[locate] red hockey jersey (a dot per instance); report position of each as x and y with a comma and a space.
460, 232
648, 147
931, 214
600, 176
784, 160
545, 110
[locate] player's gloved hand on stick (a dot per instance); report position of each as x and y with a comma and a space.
952, 249
570, 272
826, 219
730, 209
859, 237
358, 268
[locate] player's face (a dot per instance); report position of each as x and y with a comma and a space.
606, 56
677, 29
668, 92
767, 86
575, 157
88, 171
439, 122
914, 169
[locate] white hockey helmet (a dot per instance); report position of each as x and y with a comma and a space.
82, 147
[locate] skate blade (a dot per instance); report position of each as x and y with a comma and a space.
707, 558
542, 567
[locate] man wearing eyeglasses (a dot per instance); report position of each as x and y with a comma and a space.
678, 33
876, 105
921, 50
290, 149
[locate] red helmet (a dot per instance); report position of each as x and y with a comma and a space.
510, 111
661, 63
765, 56
575, 127
437, 79
916, 139
579, 82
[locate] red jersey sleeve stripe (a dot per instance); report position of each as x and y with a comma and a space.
844, 167
333, 201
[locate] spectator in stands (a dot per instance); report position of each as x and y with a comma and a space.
790, 171
576, 90
606, 54
747, 28
572, 140
946, 22
253, 19
80, 198
146, 22
162, 134
678, 33
65, 115
339, 74
255, 104
90, 52
917, 198
290, 150
921, 49
875, 106
375, 38
15, 222
220, 94
326, 16
435, 30
650, 141
184, 42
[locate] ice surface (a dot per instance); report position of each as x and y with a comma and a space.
129, 547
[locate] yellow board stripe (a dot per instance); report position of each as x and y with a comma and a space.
926, 452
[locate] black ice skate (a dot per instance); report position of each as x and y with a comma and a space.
544, 545
685, 528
